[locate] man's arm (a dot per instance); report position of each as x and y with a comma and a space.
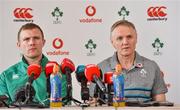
160, 97
3, 89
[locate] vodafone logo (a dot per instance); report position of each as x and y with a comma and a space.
57, 43
90, 10
157, 11
23, 13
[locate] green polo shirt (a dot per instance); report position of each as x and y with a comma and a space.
142, 81
15, 77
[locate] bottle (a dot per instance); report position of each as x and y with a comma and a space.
55, 81
118, 83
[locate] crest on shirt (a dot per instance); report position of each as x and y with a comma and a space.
15, 76
143, 73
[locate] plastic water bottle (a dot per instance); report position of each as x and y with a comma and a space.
118, 83
55, 97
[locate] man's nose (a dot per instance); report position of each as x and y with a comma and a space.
125, 41
31, 41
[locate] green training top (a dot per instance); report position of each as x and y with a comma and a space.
14, 79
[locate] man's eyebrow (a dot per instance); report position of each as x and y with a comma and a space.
120, 37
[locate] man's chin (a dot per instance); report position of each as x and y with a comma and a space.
33, 56
126, 54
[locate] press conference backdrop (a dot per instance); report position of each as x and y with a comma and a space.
80, 30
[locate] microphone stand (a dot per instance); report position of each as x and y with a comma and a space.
25, 96
110, 94
100, 95
28, 89
84, 93
3, 98
69, 97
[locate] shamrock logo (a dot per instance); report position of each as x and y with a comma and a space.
57, 13
90, 45
123, 12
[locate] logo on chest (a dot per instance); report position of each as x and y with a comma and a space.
143, 73
15, 76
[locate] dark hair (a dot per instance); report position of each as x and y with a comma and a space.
29, 26
123, 23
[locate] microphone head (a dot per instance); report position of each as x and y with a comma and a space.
67, 63
108, 77
80, 73
49, 67
34, 69
91, 70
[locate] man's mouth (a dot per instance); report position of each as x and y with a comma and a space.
32, 49
125, 48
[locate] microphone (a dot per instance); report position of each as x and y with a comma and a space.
49, 68
67, 67
24, 96
93, 73
108, 80
80, 76
33, 71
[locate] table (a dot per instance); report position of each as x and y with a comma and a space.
175, 107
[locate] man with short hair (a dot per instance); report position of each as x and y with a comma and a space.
143, 79
30, 41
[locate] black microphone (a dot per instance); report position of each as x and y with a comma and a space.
24, 96
109, 84
80, 76
93, 73
34, 71
67, 67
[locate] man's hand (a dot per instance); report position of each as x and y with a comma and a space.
92, 101
160, 97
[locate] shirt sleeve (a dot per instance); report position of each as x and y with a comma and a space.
159, 86
3, 86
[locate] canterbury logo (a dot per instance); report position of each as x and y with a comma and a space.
23, 13
156, 11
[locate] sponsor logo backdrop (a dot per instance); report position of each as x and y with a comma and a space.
79, 30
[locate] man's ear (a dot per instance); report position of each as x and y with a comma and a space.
18, 44
113, 44
44, 41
